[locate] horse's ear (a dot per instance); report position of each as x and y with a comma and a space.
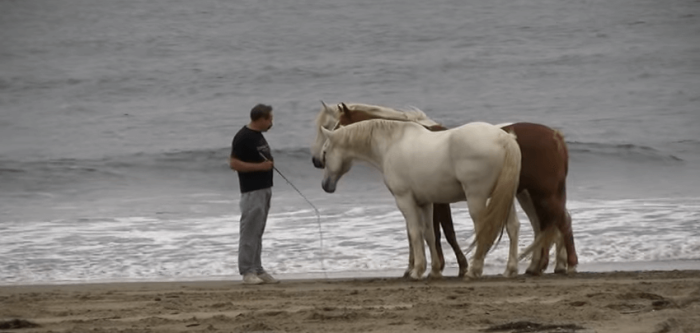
327, 109
344, 108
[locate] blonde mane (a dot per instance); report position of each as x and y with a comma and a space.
360, 135
411, 114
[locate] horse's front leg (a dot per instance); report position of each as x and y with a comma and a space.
429, 235
414, 226
513, 229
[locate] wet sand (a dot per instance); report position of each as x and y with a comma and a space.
612, 301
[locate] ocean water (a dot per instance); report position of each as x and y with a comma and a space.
116, 120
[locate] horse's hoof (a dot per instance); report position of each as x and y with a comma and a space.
406, 274
533, 272
510, 273
561, 271
463, 268
468, 278
435, 276
473, 275
571, 270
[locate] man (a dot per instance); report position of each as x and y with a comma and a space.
251, 157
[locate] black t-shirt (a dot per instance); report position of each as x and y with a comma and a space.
247, 146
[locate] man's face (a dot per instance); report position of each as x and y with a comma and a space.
269, 122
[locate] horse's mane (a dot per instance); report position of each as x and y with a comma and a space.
361, 134
410, 113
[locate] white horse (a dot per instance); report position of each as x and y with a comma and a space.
476, 162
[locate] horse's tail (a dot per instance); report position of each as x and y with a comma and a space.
543, 240
563, 149
494, 217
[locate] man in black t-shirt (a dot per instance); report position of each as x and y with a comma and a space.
252, 158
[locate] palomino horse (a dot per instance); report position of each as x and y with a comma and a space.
542, 185
475, 162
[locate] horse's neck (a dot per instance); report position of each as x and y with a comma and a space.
373, 148
372, 154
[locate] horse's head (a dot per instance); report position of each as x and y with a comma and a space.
335, 159
327, 119
331, 118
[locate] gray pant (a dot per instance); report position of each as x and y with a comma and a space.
254, 208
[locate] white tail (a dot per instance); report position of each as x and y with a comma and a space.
493, 219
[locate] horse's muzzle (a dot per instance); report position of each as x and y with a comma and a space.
317, 163
328, 185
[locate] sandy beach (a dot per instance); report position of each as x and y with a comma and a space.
620, 302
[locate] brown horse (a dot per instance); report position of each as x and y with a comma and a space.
541, 191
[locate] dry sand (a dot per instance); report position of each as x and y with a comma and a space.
620, 302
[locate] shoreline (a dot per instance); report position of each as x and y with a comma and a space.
449, 272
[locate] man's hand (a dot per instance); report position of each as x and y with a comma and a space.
267, 165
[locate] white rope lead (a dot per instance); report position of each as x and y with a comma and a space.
318, 217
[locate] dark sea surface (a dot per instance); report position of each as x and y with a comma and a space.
116, 119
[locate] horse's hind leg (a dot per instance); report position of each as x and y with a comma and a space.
561, 234
528, 206
513, 229
567, 236
557, 229
560, 267
476, 205
443, 212
411, 260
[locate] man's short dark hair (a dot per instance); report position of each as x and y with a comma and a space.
260, 111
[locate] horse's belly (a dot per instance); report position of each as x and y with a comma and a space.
426, 181
446, 193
